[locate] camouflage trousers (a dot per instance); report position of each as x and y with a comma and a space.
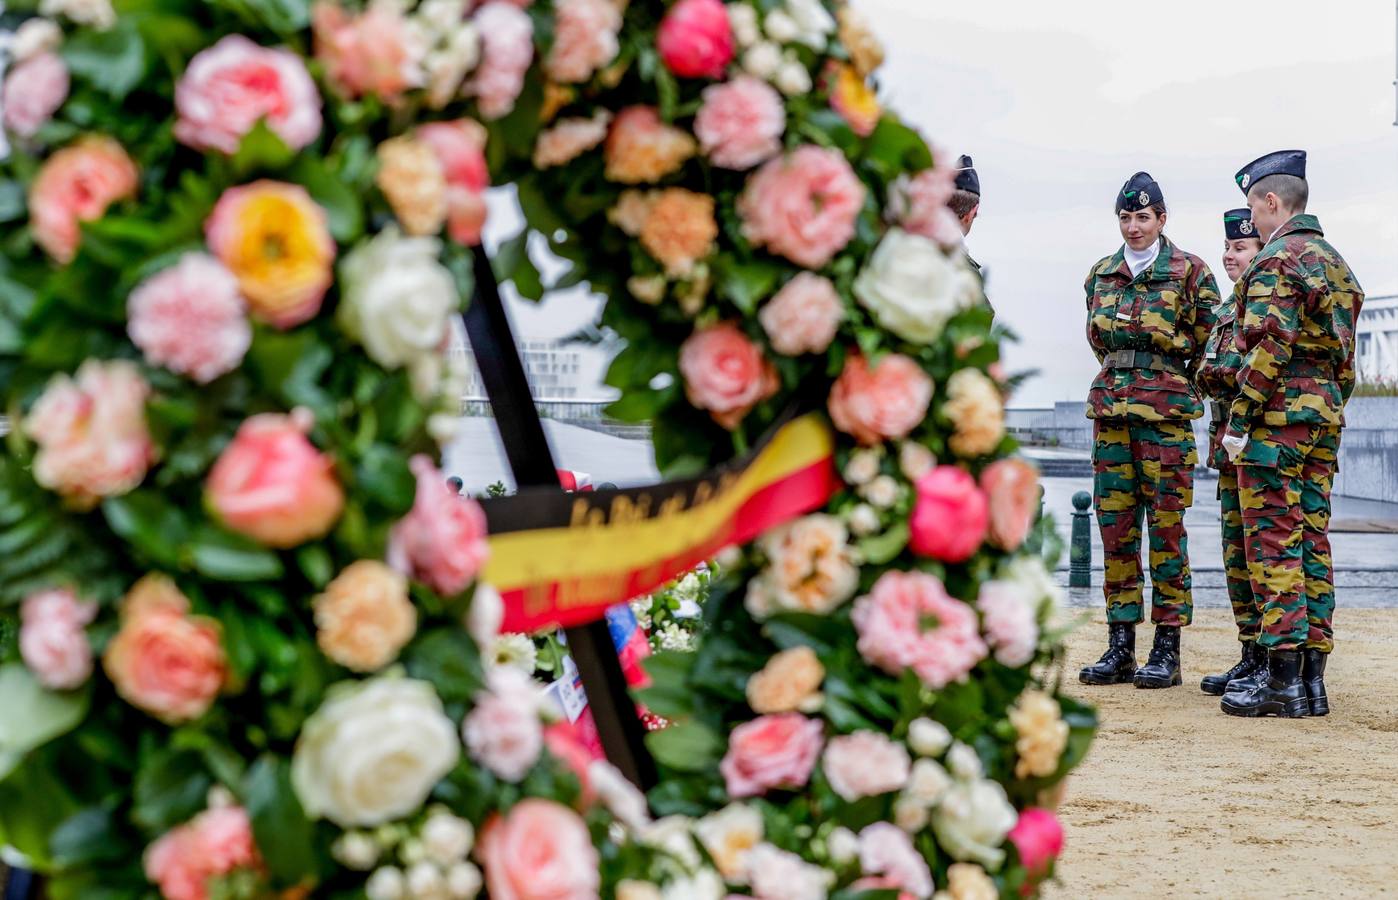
1247, 613
1284, 480
1144, 470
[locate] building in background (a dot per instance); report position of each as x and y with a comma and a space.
561, 382
1376, 356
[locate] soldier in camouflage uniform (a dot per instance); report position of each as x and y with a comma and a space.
1218, 382
965, 204
1150, 309
1296, 336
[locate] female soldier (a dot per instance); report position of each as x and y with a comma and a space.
1150, 309
1219, 382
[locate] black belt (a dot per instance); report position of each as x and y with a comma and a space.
1218, 411
1144, 359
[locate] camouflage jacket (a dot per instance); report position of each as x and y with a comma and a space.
1295, 331
1218, 374
1167, 309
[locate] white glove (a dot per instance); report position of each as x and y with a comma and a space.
1233, 446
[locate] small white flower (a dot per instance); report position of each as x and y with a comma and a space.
463, 881
32, 37
793, 78
220, 797
864, 520
97, 13
412, 852
928, 782
441, 16
385, 884
762, 60
514, 650
781, 27
673, 835
915, 460
631, 889
425, 882
882, 492
447, 838
813, 22
862, 468
355, 850
486, 613
777, 873
928, 737
702, 885
688, 588
843, 846
964, 763
729, 557
647, 288
742, 18
910, 814
618, 794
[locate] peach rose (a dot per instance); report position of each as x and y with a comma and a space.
540, 850
371, 52
164, 660
803, 206
413, 183
228, 88
882, 403
810, 568
442, 540
641, 149
52, 639
34, 90
1041, 734
769, 752
977, 412
570, 138
507, 37
1012, 487
364, 617
273, 485
275, 239
213, 843
787, 683
680, 230
859, 40
803, 316
460, 148
865, 764
190, 319
950, 516
908, 621
76, 185
725, 373
740, 123
584, 39
91, 432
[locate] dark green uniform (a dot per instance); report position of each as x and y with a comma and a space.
1148, 332
1296, 337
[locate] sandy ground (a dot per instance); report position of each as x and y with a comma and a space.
1177, 799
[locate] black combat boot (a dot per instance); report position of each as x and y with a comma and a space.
1283, 693
1254, 658
1313, 674
1162, 669
1118, 664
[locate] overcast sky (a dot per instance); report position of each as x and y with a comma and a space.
1060, 102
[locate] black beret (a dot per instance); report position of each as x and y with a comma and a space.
966, 177
1237, 224
1139, 192
1282, 162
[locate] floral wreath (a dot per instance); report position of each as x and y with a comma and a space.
240, 617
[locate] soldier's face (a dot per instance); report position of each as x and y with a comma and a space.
1140, 228
1237, 254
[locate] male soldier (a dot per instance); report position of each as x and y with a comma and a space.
1296, 336
965, 202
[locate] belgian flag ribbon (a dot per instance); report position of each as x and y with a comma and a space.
562, 559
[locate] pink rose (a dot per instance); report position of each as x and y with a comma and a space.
442, 540
52, 641
803, 316
1012, 486
34, 90
1010, 622
740, 123
918, 204
865, 764
1038, 836
76, 185
190, 319
91, 432
273, 485
885, 849
803, 206
459, 146
213, 843
540, 850
695, 39
885, 402
725, 373
164, 660
503, 732
908, 621
371, 52
584, 39
950, 517
507, 49
776, 751
230, 87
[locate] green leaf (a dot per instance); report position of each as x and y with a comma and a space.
112, 61
316, 564
225, 556
449, 659
880, 549
33, 714
343, 210
262, 150
12, 202
290, 365
669, 693
384, 475
285, 835
285, 17
150, 524
748, 284
686, 747
90, 836
170, 787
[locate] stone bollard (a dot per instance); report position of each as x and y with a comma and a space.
1080, 547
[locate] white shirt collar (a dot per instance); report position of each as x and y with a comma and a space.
1138, 260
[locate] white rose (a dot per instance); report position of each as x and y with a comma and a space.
882, 491
673, 835
396, 297
463, 881
910, 814
812, 20
964, 763
779, 875
781, 27
793, 78
863, 467
441, 16
447, 68
618, 794
728, 835
863, 520
928, 782
928, 737
355, 850
97, 13
485, 615
373, 751
1030, 573
385, 884
34, 36
425, 882
412, 852
762, 60
843, 846
447, 838
702, 885
742, 18
912, 287
915, 460
972, 821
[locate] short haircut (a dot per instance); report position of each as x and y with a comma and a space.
1293, 192
962, 202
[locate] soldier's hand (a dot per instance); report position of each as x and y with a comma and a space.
1233, 446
